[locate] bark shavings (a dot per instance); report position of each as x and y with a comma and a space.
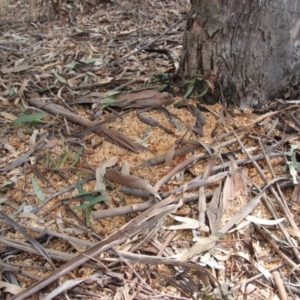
181, 213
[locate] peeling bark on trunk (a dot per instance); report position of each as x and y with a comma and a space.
248, 49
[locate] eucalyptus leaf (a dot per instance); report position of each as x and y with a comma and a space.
189, 90
37, 189
92, 202
29, 118
20, 209
77, 156
58, 77
112, 94
204, 92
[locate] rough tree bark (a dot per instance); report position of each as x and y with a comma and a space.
249, 50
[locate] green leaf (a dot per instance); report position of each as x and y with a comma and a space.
189, 90
92, 202
112, 94
62, 160
7, 183
162, 87
71, 65
48, 161
79, 188
107, 102
20, 209
12, 92
37, 189
192, 81
58, 77
86, 61
204, 92
29, 118
90, 60
77, 156
41, 90
82, 192
65, 157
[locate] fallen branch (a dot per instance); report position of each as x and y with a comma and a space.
145, 220
110, 135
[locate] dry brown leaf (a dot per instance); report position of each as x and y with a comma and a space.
4, 101
234, 185
8, 116
69, 230
10, 288
296, 194
132, 181
202, 245
100, 172
169, 156
20, 92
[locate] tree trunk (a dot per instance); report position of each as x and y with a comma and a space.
248, 51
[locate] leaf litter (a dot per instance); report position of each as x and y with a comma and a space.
121, 190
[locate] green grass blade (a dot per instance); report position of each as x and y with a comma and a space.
29, 118
37, 189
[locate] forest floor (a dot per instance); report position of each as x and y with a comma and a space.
113, 188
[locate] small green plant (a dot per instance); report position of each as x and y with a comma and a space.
35, 117
67, 156
192, 83
91, 198
110, 98
163, 79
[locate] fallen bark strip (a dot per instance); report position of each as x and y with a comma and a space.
110, 135
123, 210
133, 181
195, 183
135, 226
280, 285
54, 254
112, 212
46, 230
132, 257
34, 242
18, 270
158, 159
178, 152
